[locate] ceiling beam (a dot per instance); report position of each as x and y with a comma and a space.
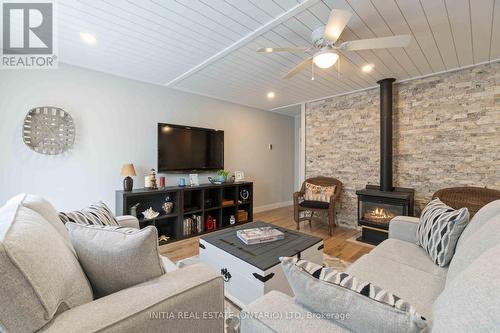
248, 38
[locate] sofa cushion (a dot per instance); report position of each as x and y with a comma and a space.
402, 280
439, 229
483, 215
471, 301
474, 246
49, 213
115, 258
325, 290
40, 275
288, 316
408, 254
95, 214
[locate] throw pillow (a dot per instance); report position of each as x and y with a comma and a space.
439, 229
115, 258
355, 304
95, 214
318, 193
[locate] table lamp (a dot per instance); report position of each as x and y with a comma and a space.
128, 171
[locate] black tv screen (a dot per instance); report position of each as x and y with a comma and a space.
184, 148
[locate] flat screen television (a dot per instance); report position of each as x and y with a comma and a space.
185, 148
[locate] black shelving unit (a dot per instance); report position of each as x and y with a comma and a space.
206, 200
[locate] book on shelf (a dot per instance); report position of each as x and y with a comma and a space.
192, 225
259, 235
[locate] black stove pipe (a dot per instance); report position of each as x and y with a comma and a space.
386, 134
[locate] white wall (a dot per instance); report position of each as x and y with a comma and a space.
116, 123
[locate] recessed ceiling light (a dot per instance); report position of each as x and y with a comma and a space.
268, 49
88, 38
271, 95
367, 68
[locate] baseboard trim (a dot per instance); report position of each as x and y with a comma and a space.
275, 205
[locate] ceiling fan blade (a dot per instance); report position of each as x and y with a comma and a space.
294, 71
377, 43
282, 49
336, 23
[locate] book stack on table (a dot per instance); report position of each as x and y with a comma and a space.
259, 235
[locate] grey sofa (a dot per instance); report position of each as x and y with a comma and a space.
44, 289
463, 297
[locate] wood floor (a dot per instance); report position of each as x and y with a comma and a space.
336, 245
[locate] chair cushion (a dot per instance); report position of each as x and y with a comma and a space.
408, 254
439, 229
40, 275
115, 258
318, 193
328, 291
402, 280
314, 204
471, 301
95, 214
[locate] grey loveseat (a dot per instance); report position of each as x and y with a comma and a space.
463, 297
44, 289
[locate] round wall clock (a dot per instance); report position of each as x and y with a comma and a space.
48, 130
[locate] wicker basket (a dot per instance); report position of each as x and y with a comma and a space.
471, 197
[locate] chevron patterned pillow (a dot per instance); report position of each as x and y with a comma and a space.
439, 229
339, 296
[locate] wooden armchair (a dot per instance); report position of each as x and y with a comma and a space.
312, 207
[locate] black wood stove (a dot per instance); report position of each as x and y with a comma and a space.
377, 205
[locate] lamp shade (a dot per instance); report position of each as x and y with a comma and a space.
128, 170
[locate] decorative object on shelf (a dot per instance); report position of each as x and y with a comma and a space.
244, 194
162, 182
48, 130
193, 179
227, 202
220, 177
232, 219
162, 240
150, 180
128, 171
239, 176
150, 213
182, 182
168, 205
210, 223
242, 215
133, 210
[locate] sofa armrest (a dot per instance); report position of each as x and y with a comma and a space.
170, 301
404, 228
128, 221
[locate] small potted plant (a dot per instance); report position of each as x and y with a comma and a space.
220, 177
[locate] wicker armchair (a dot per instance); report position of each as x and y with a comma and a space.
299, 205
471, 197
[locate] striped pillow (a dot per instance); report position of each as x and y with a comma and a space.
95, 214
327, 291
439, 229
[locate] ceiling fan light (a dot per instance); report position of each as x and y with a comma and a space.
325, 59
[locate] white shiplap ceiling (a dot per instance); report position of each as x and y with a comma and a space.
208, 46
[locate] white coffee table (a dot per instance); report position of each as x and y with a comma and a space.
250, 271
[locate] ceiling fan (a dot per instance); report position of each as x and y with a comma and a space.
324, 41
